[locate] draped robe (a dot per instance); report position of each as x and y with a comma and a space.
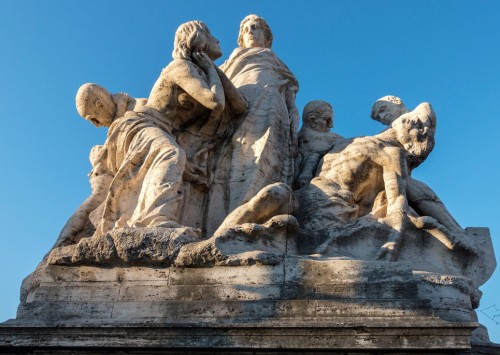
261, 150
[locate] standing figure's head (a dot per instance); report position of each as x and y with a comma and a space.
318, 115
387, 109
415, 131
255, 32
95, 104
194, 36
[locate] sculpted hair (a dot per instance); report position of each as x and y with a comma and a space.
261, 22
190, 37
316, 106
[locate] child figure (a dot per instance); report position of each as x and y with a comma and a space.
98, 106
315, 139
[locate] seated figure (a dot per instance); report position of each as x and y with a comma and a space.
141, 165
363, 188
315, 139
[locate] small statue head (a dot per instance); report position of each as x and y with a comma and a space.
95, 104
194, 36
387, 109
255, 32
318, 115
415, 131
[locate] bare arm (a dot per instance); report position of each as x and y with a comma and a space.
194, 84
394, 175
211, 127
185, 75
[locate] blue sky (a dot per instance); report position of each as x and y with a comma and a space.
349, 53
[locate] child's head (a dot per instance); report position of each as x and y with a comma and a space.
318, 115
95, 104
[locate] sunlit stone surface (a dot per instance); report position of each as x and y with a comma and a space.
215, 225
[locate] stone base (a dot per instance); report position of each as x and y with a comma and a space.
300, 305
405, 335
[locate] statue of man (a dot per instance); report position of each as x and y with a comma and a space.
98, 106
421, 198
368, 177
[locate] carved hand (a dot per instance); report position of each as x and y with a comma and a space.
203, 61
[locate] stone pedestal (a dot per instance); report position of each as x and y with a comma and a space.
300, 305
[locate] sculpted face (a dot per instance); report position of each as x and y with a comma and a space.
98, 115
253, 35
321, 121
95, 104
387, 109
213, 48
415, 131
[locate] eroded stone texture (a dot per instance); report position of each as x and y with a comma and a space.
127, 246
194, 237
324, 304
262, 149
315, 139
100, 107
260, 231
144, 166
364, 205
366, 178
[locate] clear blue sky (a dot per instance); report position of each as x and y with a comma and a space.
346, 52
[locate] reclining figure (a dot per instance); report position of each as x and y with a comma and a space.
363, 186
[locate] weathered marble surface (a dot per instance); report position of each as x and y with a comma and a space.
150, 173
315, 139
213, 222
321, 304
363, 203
213, 156
262, 149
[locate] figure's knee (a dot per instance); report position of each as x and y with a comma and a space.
278, 190
278, 196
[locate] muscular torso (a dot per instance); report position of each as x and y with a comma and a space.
356, 166
311, 141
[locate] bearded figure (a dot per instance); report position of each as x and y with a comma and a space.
363, 203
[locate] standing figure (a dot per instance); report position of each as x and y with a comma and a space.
263, 147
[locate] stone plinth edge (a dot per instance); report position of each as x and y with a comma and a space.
301, 304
